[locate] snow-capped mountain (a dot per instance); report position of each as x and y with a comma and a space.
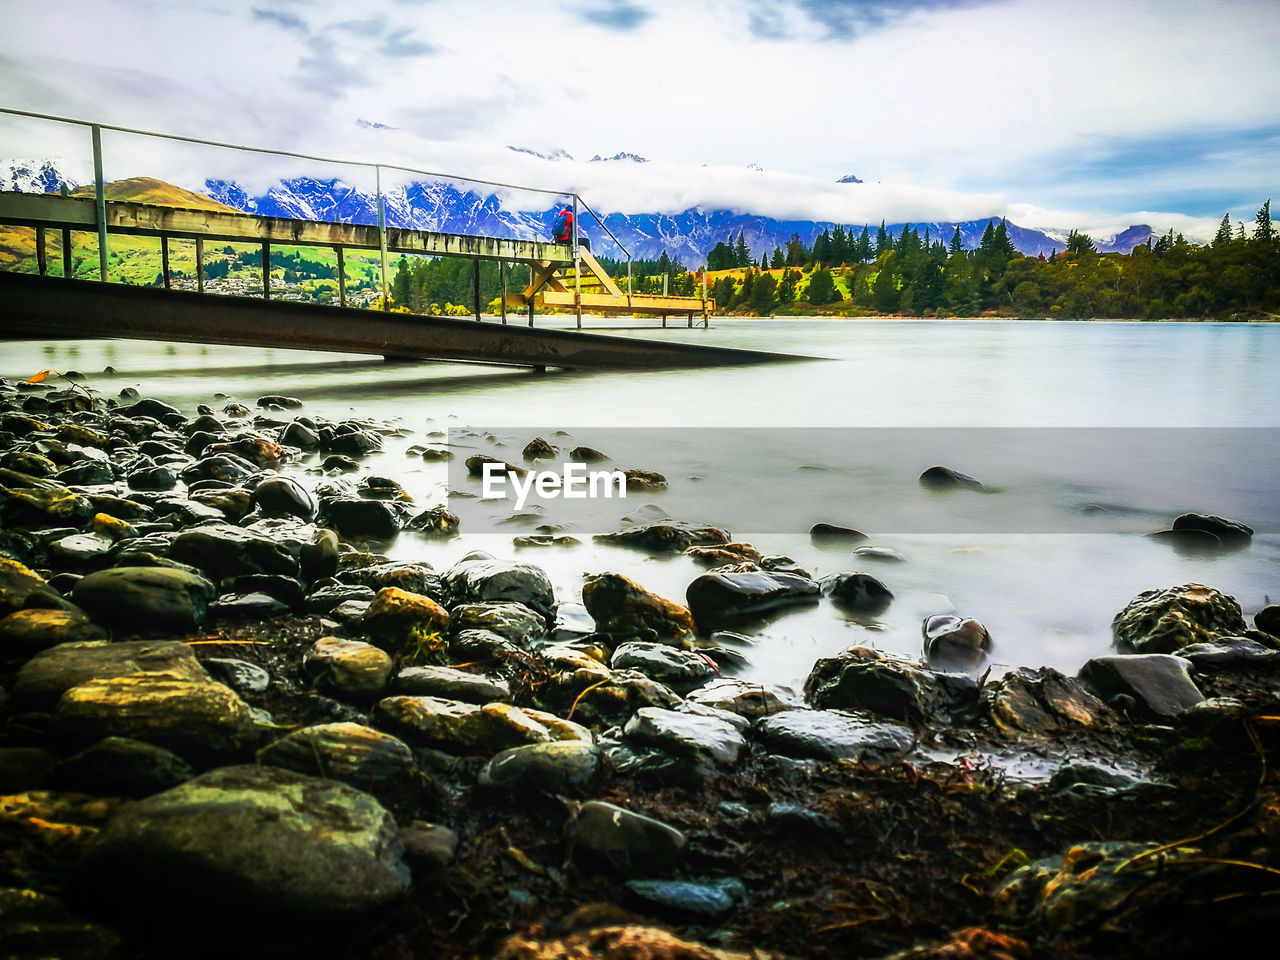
633, 157
441, 206
848, 178
556, 154
35, 176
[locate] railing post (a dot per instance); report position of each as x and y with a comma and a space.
532, 294
475, 285
502, 293
266, 270
100, 201
42, 259
164, 260
67, 267
577, 266
382, 239
628, 280
199, 264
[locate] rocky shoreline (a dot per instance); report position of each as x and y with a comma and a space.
229, 723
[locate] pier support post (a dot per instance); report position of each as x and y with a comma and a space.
475, 285
67, 267
42, 260
342, 279
266, 271
382, 240
199, 264
502, 292
164, 261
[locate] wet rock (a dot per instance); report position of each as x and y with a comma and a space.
799, 819
621, 607
279, 402
396, 617
539, 449
89, 473
479, 577
357, 518
1268, 620
564, 767
141, 599
436, 522
832, 735
240, 675
45, 677
1230, 651
944, 478
183, 715
224, 467
1086, 778
724, 553
298, 434
448, 683
643, 481
1231, 532
80, 550
476, 467
514, 621
702, 900
318, 558
613, 702
32, 464
428, 844
222, 550
587, 455
468, 728
867, 679
544, 540
254, 839
857, 592
20, 589
327, 598
470, 645
680, 670
34, 925
666, 536
701, 738
365, 758
340, 463
717, 599
831, 533
152, 478
284, 496
952, 643
879, 555
1077, 889
47, 504
25, 632
121, 767
437, 454
1041, 702
613, 838
253, 448
413, 577
1162, 621
254, 605
349, 668
1160, 684
743, 698
149, 407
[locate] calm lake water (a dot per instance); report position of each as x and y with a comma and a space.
1087, 435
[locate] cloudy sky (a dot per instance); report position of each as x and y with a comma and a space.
1084, 113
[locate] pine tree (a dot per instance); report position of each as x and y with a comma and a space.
777, 261
1263, 230
742, 256
764, 261
956, 246
862, 249
882, 240
402, 284
1001, 242
762, 300
839, 245
787, 286
1224, 234
822, 288
796, 253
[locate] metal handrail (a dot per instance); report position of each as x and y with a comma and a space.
96, 129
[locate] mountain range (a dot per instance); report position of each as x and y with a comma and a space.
442, 206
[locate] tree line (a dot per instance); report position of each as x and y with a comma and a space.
1238, 273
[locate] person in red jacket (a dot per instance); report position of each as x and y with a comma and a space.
562, 229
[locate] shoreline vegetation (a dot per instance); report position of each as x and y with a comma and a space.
230, 723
